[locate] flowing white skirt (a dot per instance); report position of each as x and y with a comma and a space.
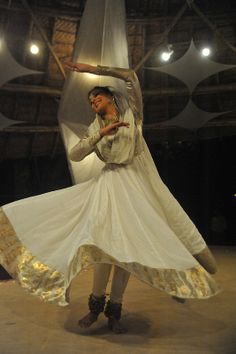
125, 216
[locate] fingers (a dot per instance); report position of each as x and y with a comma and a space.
72, 66
121, 124
68, 64
113, 128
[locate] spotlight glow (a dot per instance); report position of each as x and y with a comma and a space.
34, 49
90, 76
165, 56
206, 52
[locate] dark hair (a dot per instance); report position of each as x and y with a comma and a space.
97, 90
117, 97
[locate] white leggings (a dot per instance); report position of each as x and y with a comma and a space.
119, 282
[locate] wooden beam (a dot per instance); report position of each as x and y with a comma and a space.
55, 144
210, 124
163, 36
165, 91
44, 37
182, 91
32, 89
36, 122
211, 26
29, 129
211, 130
46, 11
75, 16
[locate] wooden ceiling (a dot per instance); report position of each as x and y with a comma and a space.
151, 25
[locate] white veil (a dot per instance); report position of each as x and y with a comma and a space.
101, 40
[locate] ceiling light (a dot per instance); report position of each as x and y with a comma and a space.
206, 52
165, 56
34, 49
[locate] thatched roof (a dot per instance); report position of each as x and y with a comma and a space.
35, 99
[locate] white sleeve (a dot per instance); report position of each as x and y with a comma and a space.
84, 147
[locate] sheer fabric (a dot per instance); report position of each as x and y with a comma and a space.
101, 40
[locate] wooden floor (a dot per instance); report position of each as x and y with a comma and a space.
155, 322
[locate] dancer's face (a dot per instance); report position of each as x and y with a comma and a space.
100, 103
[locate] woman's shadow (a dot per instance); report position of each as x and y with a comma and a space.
139, 327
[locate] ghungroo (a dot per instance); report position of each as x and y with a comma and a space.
96, 304
113, 310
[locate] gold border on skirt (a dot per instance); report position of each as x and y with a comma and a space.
50, 285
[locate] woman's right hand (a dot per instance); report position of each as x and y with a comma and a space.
112, 128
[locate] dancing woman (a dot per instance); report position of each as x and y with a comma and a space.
124, 217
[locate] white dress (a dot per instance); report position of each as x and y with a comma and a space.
125, 216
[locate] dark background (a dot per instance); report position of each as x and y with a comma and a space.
201, 175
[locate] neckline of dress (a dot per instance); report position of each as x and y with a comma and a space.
111, 120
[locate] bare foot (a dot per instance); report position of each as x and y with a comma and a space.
88, 320
179, 299
115, 326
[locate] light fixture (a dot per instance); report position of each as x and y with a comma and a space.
206, 51
34, 49
165, 56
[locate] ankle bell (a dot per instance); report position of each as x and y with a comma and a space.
113, 310
96, 304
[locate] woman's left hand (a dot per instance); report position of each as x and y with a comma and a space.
79, 67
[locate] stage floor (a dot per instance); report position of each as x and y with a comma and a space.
156, 323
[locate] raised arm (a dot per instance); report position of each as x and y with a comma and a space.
128, 75
132, 86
